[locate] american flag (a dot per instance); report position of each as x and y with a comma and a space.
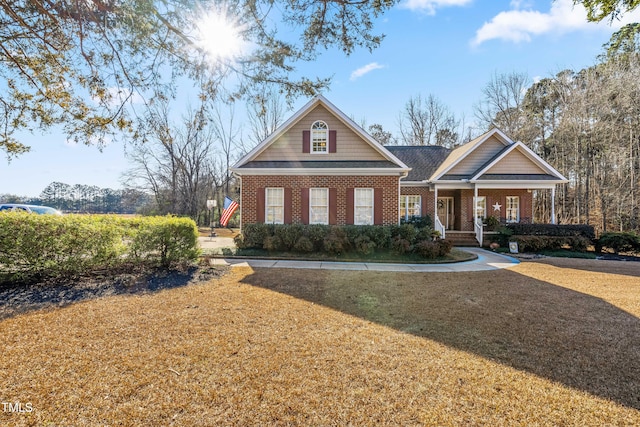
230, 207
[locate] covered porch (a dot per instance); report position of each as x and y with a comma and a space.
461, 212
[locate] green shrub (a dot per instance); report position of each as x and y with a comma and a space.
317, 233
492, 223
433, 248
39, 246
380, 235
166, 241
551, 243
273, 243
239, 241
289, 234
303, 245
335, 243
418, 221
400, 246
404, 231
619, 242
364, 245
556, 230
426, 233
254, 235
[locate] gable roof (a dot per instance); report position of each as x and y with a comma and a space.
309, 106
424, 160
465, 150
548, 170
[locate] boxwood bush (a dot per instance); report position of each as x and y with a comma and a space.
336, 240
39, 246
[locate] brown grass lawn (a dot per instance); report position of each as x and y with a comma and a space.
545, 343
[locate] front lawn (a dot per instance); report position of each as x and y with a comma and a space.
546, 343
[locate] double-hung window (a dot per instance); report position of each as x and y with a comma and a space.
513, 209
319, 137
274, 206
363, 206
318, 206
410, 206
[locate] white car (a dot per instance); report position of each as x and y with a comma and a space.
40, 210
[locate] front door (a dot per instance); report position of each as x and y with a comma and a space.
445, 211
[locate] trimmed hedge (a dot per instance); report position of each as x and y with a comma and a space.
40, 246
336, 240
619, 242
545, 243
542, 237
556, 230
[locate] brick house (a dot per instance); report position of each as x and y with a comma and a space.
320, 167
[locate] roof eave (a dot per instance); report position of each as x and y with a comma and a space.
321, 171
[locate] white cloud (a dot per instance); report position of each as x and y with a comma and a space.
521, 25
430, 6
364, 70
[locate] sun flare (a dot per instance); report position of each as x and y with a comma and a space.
218, 35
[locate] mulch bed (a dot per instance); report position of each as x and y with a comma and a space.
21, 298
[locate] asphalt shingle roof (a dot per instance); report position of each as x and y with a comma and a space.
424, 160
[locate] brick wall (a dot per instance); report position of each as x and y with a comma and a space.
463, 203
389, 184
500, 197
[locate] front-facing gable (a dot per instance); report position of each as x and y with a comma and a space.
495, 158
466, 159
351, 148
517, 162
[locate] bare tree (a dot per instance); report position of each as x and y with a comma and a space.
227, 135
176, 162
502, 101
427, 122
265, 112
382, 136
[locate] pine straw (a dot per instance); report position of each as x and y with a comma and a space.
549, 343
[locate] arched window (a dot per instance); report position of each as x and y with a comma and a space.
319, 137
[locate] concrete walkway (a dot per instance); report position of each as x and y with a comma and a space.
486, 261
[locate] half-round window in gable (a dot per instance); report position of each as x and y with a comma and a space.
319, 137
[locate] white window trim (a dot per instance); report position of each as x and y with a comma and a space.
267, 206
484, 206
405, 198
326, 130
355, 206
326, 191
508, 209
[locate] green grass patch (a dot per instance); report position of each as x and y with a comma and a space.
564, 253
455, 255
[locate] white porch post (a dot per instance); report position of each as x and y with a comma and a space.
435, 204
553, 204
475, 203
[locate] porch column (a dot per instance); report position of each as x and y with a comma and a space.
475, 204
553, 204
435, 204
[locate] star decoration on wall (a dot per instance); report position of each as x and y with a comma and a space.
497, 206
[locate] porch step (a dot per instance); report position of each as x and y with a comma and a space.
462, 238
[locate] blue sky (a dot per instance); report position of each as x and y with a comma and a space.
448, 48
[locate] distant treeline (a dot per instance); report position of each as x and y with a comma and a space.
86, 199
